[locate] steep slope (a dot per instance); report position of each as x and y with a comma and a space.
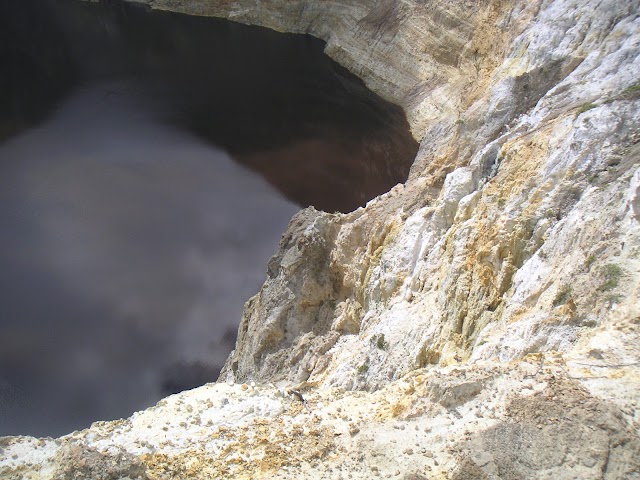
517, 232
487, 310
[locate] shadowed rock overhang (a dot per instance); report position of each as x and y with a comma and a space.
275, 101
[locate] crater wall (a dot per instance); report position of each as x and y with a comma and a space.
480, 320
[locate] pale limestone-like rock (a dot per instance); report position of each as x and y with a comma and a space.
492, 301
632, 205
523, 420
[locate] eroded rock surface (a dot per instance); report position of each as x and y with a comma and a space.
481, 320
527, 420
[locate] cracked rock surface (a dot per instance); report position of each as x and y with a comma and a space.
481, 320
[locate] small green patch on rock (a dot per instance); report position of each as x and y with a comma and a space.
631, 93
589, 261
563, 295
611, 273
378, 341
364, 368
585, 108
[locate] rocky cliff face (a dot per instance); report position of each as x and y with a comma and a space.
481, 320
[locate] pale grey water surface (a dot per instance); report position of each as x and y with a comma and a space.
127, 249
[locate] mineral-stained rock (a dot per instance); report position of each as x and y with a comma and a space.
527, 421
484, 315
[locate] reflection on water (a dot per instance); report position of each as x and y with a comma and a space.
127, 249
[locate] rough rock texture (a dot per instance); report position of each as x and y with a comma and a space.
480, 321
516, 420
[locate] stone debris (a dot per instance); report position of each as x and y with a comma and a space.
524, 420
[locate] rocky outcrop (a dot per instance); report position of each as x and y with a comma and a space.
479, 321
527, 245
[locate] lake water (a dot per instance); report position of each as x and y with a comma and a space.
127, 250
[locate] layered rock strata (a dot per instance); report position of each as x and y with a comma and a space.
481, 320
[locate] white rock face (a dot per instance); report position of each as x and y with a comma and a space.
480, 321
525, 420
